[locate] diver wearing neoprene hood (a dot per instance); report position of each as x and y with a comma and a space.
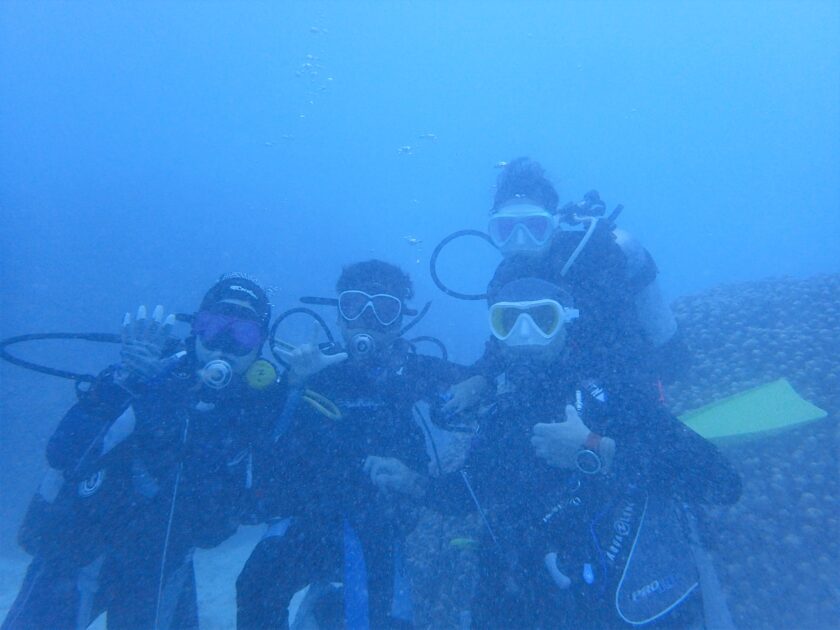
624, 324
587, 490
152, 461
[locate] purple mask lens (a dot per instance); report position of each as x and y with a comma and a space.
208, 325
246, 333
228, 333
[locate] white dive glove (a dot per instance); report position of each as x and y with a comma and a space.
143, 343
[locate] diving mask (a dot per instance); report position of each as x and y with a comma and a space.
521, 228
386, 308
228, 331
529, 323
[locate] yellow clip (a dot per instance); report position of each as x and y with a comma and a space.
261, 374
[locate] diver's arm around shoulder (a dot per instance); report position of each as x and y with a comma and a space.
476, 382
430, 373
707, 474
689, 465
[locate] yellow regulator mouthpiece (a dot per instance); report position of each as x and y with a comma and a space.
261, 374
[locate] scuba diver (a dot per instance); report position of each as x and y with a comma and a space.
329, 519
586, 488
151, 462
612, 278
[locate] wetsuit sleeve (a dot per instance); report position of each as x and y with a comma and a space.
76, 443
490, 364
284, 459
214, 491
432, 376
653, 444
699, 470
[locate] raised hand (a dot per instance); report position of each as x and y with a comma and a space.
306, 359
143, 343
558, 443
391, 475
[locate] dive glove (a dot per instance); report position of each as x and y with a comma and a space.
143, 342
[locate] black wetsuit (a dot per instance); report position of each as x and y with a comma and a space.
534, 509
605, 282
316, 478
142, 477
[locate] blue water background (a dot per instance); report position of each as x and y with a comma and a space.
146, 148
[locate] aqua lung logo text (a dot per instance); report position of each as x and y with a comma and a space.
657, 586
622, 526
621, 529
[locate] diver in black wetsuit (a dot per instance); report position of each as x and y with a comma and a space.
152, 462
582, 483
611, 277
351, 420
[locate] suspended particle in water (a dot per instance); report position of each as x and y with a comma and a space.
405, 150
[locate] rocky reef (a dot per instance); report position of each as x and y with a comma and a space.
777, 550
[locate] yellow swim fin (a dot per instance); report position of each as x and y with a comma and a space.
769, 407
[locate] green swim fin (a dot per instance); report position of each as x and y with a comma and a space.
768, 407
